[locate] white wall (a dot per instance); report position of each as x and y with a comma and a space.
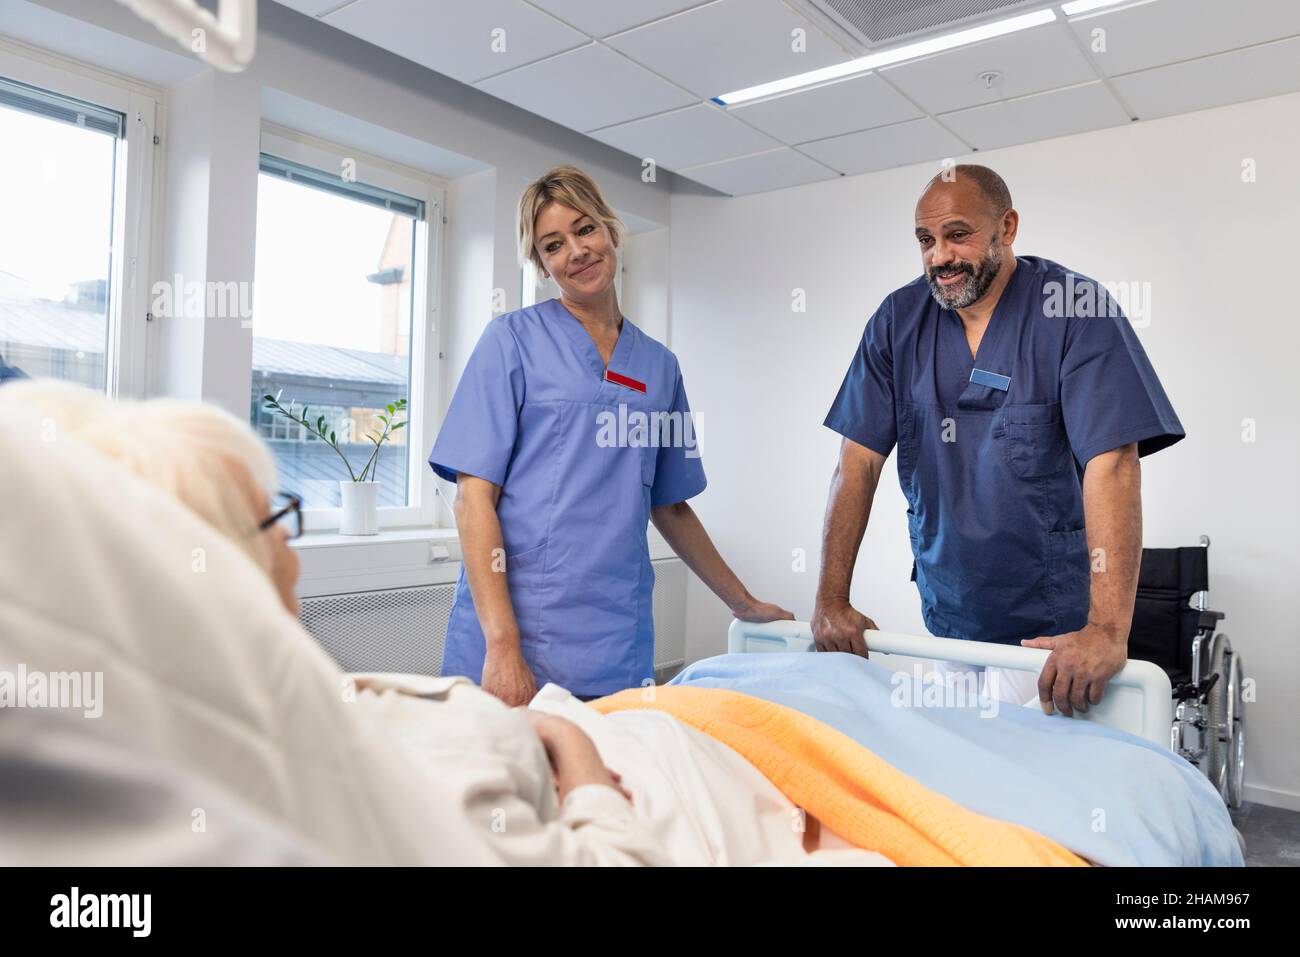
1160, 202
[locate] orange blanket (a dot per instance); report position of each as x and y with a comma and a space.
848, 789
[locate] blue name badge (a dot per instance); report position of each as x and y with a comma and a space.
991, 379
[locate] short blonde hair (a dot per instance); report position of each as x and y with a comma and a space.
192, 451
568, 186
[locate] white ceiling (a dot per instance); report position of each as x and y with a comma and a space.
640, 75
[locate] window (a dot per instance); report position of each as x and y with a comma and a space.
76, 182
341, 277
56, 189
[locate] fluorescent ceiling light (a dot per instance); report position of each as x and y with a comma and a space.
1075, 7
895, 55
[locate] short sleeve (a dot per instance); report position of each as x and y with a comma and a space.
863, 411
478, 434
679, 470
1110, 395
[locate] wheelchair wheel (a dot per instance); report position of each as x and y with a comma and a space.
1226, 731
1237, 731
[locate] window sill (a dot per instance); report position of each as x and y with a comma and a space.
328, 539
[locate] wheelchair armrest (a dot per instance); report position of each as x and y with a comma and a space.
1210, 619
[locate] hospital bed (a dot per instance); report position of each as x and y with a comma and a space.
1182, 689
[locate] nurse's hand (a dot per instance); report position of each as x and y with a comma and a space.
507, 675
1080, 664
838, 626
755, 610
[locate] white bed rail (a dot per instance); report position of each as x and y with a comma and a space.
1137, 700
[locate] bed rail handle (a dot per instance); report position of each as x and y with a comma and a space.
1139, 699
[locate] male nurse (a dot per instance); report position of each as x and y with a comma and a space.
1020, 401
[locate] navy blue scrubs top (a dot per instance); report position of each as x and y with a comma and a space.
992, 468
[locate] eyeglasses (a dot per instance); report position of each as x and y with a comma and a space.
286, 508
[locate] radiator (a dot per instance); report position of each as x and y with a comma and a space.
403, 629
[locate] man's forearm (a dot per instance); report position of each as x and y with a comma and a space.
847, 510
1112, 506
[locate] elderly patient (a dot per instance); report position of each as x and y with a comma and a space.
522, 786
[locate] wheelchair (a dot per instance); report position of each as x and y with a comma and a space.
1174, 628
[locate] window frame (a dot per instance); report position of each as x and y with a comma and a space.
426, 301
135, 199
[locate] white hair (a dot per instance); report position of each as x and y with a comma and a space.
199, 454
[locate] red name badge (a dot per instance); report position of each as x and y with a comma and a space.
623, 380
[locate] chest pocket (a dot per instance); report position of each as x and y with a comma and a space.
1033, 439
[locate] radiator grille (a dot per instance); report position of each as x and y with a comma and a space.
398, 630
877, 22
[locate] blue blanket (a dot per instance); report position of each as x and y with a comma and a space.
1107, 795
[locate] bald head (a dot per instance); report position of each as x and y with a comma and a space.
990, 187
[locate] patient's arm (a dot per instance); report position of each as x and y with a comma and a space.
574, 758
836, 624
488, 774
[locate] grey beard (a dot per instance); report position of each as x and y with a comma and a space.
972, 290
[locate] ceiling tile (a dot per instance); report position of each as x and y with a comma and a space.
754, 174
858, 103
459, 44
1166, 31
1031, 61
600, 18
729, 45
899, 145
587, 88
690, 137
1038, 117
1249, 74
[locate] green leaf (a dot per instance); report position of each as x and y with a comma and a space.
333, 440
320, 425
390, 408
398, 426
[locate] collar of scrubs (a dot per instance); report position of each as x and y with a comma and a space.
1009, 309
619, 360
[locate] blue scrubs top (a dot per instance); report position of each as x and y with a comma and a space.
580, 463
992, 468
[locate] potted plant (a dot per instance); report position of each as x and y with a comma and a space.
359, 496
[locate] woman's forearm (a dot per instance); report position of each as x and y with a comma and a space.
686, 535
484, 556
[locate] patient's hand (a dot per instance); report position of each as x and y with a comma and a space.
506, 674
838, 626
574, 758
1081, 662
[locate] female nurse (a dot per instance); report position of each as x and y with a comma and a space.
569, 431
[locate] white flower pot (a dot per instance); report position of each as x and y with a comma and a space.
360, 508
